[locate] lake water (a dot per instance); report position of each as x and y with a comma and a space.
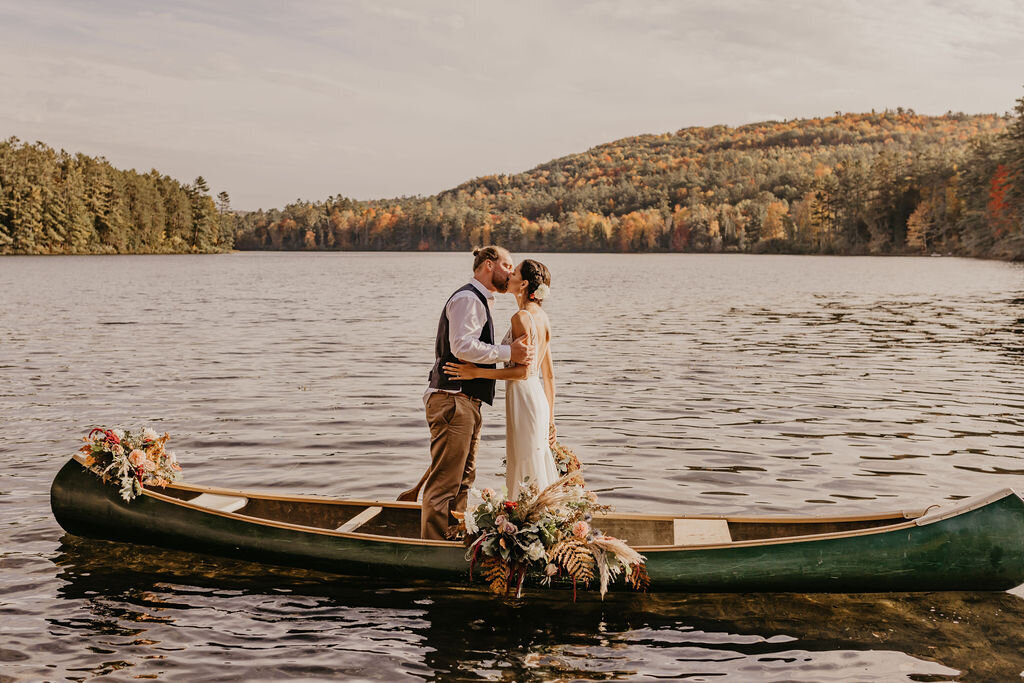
697, 383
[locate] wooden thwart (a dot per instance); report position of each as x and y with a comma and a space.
700, 532
360, 519
216, 501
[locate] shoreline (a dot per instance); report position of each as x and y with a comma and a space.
531, 251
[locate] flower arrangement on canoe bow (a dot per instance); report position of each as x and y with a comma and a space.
546, 535
131, 459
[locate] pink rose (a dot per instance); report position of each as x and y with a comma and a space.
137, 457
488, 494
580, 530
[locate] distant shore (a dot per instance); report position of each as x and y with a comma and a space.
888, 183
1015, 258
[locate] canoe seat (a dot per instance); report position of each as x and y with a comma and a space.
218, 502
360, 519
700, 532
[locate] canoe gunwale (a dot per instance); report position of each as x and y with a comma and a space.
913, 519
737, 519
943, 512
458, 544
200, 488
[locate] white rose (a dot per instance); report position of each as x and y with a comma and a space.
149, 435
470, 521
535, 551
473, 500
541, 292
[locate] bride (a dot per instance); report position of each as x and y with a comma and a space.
529, 402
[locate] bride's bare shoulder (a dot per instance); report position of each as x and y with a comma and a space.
543, 319
520, 322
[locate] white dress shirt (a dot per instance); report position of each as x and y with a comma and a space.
466, 319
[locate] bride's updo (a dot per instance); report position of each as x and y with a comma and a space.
535, 274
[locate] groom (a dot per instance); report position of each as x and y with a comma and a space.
465, 332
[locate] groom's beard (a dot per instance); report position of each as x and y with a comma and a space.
500, 287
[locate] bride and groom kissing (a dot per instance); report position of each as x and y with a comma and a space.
463, 376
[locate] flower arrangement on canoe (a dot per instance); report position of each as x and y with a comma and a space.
566, 460
132, 459
546, 535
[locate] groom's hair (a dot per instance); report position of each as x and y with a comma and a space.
481, 254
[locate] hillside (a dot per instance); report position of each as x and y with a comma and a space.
890, 182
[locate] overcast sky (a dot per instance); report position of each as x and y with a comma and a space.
274, 101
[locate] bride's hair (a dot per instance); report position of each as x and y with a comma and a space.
535, 274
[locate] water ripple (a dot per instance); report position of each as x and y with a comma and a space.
706, 383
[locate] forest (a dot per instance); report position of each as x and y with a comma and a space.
891, 182
58, 203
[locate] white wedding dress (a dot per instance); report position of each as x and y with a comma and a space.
528, 458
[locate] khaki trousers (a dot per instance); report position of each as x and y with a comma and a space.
454, 421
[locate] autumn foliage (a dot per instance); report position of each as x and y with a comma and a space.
889, 182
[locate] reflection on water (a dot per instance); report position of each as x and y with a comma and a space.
704, 383
141, 608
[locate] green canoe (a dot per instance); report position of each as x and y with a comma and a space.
975, 544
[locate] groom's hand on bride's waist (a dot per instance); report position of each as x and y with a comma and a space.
522, 352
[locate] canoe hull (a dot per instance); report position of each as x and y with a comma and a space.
84, 506
981, 549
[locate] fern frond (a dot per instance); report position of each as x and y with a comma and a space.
575, 557
497, 573
638, 579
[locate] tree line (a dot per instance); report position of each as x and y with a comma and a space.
891, 182
57, 203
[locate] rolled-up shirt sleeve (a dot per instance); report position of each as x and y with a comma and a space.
466, 318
